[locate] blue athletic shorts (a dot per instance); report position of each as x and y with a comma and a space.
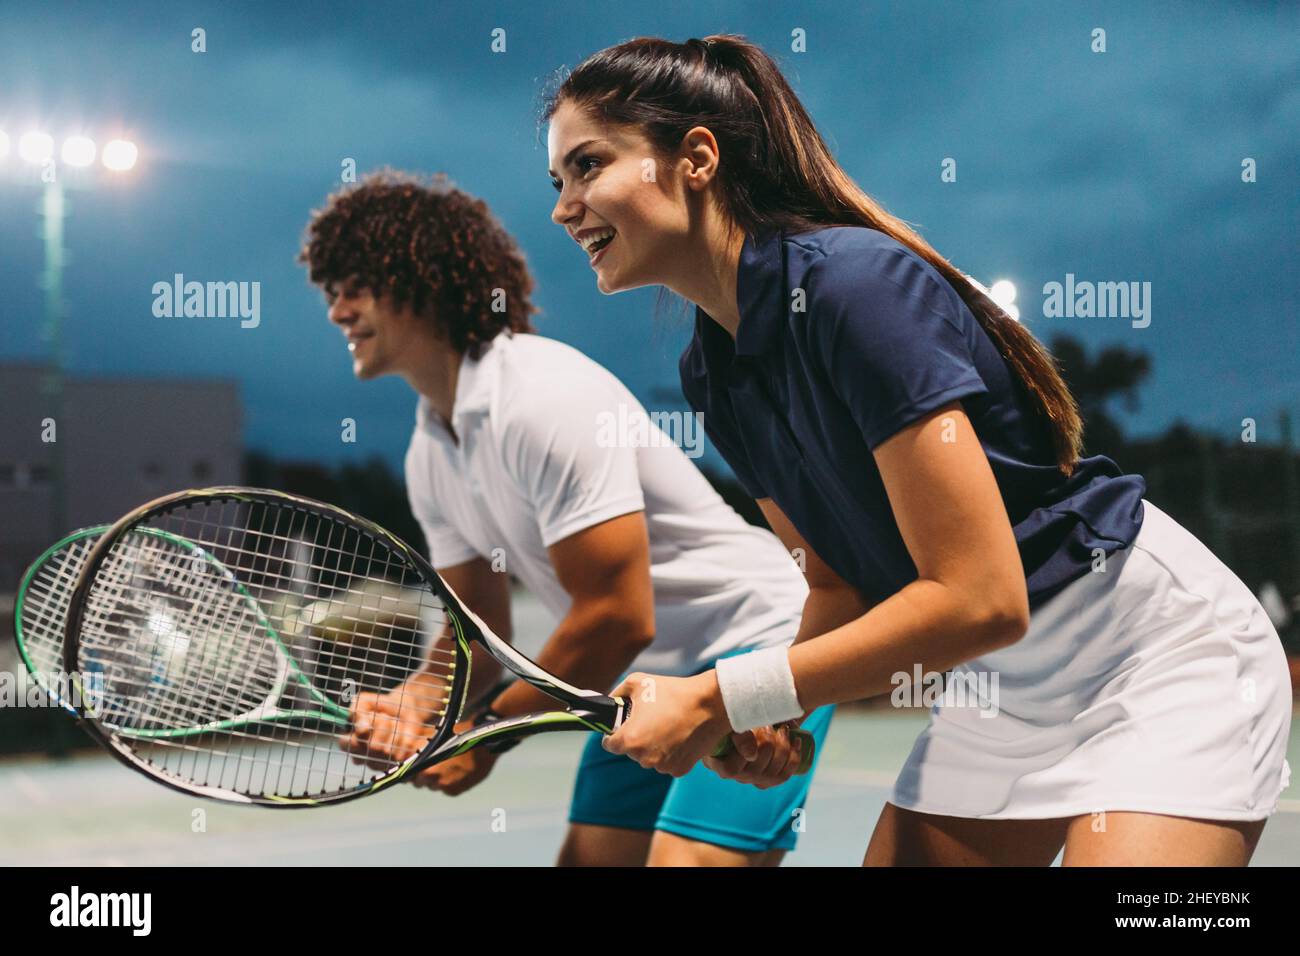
613, 790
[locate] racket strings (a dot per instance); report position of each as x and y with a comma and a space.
45, 605
221, 617
139, 634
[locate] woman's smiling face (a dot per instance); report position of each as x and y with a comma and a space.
616, 200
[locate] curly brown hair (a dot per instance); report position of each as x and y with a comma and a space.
427, 244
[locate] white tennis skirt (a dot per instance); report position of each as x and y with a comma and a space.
1158, 685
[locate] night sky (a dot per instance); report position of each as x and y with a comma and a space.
1119, 166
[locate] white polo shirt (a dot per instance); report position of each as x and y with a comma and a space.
550, 445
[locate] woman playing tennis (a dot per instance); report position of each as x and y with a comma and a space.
919, 448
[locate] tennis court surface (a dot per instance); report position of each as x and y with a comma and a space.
515, 818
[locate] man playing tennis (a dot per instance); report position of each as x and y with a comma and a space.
509, 469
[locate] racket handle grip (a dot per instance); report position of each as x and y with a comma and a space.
807, 748
807, 742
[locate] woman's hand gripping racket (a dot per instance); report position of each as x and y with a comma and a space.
226, 669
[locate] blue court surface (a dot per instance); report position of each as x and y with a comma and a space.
90, 810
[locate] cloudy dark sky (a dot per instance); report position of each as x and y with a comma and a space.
1121, 166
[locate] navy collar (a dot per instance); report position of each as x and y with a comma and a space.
760, 297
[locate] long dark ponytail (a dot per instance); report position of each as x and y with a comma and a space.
777, 172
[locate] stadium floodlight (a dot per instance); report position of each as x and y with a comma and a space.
78, 151
36, 147
120, 155
1003, 292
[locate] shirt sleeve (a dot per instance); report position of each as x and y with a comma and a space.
567, 450
447, 548
892, 337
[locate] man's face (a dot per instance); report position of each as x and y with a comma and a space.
376, 333
608, 179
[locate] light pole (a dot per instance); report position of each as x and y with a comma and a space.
36, 148
52, 213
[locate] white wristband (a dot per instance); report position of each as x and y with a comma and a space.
758, 688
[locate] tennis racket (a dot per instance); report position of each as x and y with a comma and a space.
229, 631
41, 606
40, 614
41, 609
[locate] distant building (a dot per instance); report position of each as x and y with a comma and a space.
123, 442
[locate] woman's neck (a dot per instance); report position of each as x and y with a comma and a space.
709, 278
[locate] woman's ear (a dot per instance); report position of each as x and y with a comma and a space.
701, 155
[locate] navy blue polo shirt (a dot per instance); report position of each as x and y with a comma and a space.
846, 337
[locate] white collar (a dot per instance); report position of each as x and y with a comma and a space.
473, 388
